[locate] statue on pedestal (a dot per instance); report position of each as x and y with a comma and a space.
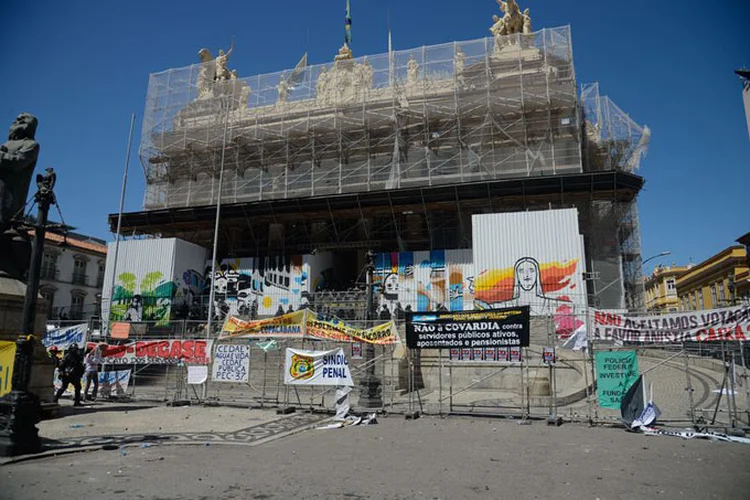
17, 161
18, 158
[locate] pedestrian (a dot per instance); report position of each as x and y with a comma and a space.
91, 373
71, 371
279, 311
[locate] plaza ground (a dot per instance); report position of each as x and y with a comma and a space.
431, 457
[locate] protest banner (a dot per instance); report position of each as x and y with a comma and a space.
231, 363
7, 357
285, 326
308, 323
730, 323
317, 368
63, 338
616, 371
114, 383
486, 328
159, 352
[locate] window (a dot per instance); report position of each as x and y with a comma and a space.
49, 266
701, 304
49, 298
714, 303
694, 298
100, 275
79, 272
76, 306
722, 292
671, 287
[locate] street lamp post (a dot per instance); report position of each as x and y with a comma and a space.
642, 303
370, 395
20, 411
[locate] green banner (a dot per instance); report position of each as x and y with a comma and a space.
616, 371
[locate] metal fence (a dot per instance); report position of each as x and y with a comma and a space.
697, 383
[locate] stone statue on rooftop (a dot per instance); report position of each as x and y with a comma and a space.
222, 71
283, 89
345, 53
512, 22
206, 73
412, 71
527, 22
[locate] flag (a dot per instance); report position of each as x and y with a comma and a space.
348, 33
298, 73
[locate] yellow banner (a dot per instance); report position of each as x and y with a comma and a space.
285, 326
7, 357
308, 324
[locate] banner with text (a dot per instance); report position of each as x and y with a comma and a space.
62, 338
317, 368
7, 357
158, 352
468, 329
231, 363
308, 323
616, 371
730, 323
285, 326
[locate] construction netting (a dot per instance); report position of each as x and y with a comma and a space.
471, 111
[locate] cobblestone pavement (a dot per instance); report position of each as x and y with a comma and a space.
427, 458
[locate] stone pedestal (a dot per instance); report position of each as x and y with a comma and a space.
12, 294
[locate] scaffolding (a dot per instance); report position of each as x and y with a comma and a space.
458, 114
444, 114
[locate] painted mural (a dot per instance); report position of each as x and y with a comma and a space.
531, 259
527, 283
438, 280
157, 280
254, 287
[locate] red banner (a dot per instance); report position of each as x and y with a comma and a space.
160, 352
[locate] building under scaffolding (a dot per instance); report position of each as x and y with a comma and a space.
394, 152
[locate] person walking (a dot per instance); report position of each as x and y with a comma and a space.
91, 372
71, 371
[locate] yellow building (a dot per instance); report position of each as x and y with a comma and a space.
713, 282
661, 289
742, 281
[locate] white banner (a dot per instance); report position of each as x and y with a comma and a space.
317, 368
63, 338
731, 323
231, 363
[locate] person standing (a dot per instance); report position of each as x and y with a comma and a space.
71, 371
91, 372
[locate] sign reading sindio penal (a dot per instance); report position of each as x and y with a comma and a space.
487, 328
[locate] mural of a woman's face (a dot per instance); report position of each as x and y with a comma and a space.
527, 274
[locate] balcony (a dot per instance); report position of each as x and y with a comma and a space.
80, 279
49, 273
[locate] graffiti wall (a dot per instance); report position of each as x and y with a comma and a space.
155, 280
438, 280
529, 258
253, 287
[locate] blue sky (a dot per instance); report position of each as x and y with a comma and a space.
82, 67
